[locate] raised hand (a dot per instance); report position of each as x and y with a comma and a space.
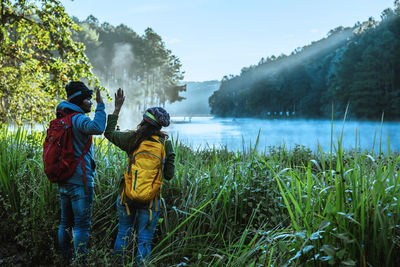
119, 99
99, 99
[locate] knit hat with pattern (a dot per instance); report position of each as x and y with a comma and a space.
157, 116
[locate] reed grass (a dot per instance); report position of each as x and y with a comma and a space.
281, 207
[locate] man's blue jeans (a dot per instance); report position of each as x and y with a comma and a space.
145, 230
76, 210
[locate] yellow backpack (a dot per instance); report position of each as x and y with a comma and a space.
144, 173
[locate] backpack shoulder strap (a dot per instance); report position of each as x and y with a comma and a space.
160, 140
60, 113
85, 150
82, 157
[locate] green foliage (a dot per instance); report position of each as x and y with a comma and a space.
26, 197
285, 207
342, 215
37, 57
293, 85
372, 86
357, 66
42, 48
141, 65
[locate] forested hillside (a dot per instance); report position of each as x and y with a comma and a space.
357, 66
140, 64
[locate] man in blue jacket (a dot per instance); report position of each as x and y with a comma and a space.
76, 193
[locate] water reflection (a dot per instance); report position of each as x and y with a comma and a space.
239, 134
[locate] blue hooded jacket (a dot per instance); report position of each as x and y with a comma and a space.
82, 128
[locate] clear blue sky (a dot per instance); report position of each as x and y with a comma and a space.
214, 38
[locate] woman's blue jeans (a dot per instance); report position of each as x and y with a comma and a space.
145, 230
76, 210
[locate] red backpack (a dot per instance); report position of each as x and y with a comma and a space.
58, 149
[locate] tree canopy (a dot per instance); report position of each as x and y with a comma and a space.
42, 48
359, 66
142, 65
37, 57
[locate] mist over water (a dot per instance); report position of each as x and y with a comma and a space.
241, 133
238, 134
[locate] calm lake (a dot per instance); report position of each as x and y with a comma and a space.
239, 134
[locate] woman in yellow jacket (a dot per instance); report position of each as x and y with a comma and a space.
135, 212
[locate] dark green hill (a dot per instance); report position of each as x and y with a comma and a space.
357, 66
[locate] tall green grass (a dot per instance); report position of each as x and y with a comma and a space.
347, 214
282, 207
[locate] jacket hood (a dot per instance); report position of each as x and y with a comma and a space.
65, 104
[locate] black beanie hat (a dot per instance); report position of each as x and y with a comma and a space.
77, 92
